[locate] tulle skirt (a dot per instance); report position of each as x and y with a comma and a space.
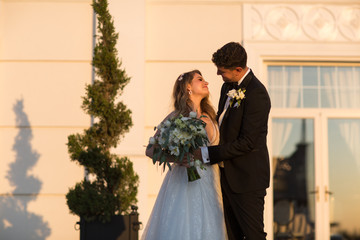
188, 210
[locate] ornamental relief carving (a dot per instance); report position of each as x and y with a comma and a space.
282, 23
349, 23
302, 23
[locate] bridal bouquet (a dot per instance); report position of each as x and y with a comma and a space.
178, 138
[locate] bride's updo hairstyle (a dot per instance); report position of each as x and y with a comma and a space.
181, 96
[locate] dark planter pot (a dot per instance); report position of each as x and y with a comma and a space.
97, 230
121, 227
132, 226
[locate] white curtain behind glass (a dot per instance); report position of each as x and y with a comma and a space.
285, 86
276, 86
281, 134
350, 130
294, 83
341, 86
329, 82
356, 86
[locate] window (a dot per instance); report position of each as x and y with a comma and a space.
314, 86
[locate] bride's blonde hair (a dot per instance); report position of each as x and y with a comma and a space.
181, 97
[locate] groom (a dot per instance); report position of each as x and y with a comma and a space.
242, 152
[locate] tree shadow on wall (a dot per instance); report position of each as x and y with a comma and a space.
16, 222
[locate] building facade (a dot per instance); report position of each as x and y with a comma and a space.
307, 54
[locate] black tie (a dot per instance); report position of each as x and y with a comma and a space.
234, 85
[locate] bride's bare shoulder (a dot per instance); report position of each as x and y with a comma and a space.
206, 118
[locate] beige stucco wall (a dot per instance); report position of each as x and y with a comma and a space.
45, 54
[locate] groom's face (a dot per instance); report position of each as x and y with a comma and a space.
228, 75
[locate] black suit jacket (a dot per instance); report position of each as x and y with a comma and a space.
243, 134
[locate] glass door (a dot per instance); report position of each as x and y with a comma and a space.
343, 191
315, 149
293, 178
316, 177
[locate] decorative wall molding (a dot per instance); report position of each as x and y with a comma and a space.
301, 23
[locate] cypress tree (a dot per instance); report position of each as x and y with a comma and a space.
113, 185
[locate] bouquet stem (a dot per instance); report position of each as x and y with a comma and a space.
192, 174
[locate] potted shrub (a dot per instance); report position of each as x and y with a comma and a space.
110, 185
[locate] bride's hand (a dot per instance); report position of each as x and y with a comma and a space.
197, 155
184, 164
185, 161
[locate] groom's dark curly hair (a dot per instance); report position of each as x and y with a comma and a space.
231, 55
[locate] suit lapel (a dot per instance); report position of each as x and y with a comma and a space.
243, 85
247, 79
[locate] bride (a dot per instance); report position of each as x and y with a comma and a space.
189, 210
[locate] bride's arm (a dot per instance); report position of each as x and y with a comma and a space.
150, 150
150, 153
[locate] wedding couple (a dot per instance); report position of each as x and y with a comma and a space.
227, 202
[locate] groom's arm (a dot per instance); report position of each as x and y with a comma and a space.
253, 129
203, 153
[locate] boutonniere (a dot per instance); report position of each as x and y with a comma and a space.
236, 96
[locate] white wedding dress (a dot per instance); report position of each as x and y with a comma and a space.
188, 210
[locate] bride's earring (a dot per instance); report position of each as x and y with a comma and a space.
190, 92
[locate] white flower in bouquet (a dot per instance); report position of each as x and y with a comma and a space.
183, 119
192, 114
193, 128
174, 150
167, 123
152, 140
201, 131
160, 140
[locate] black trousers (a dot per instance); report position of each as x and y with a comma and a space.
243, 212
